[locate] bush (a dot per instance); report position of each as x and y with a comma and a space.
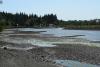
1, 28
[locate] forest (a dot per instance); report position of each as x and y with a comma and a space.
10, 20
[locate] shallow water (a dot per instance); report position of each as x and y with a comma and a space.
59, 32
71, 63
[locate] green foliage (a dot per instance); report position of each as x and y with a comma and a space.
23, 19
1, 28
32, 20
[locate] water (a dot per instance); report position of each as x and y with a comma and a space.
59, 32
71, 63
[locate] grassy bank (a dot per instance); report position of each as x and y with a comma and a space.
83, 27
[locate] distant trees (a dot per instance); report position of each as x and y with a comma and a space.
81, 24
33, 20
23, 19
50, 19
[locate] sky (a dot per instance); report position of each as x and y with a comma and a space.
64, 9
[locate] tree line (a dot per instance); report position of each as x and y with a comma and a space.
23, 19
33, 20
80, 24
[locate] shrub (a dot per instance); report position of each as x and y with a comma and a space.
1, 28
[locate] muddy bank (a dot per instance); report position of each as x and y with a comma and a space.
77, 52
67, 48
43, 56
21, 58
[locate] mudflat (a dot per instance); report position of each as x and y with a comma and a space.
18, 53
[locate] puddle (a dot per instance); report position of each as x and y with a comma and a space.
71, 63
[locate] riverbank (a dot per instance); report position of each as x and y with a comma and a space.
32, 54
20, 54
77, 52
21, 58
82, 27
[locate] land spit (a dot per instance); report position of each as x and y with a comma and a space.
30, 55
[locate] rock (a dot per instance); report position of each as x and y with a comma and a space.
5, 48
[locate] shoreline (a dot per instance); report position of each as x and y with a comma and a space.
63, 51
90, 55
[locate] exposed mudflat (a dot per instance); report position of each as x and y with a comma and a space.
32, 49
20, 58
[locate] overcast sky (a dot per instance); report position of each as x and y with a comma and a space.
64, 9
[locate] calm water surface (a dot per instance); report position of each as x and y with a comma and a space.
59, 32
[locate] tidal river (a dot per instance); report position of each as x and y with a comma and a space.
92, 35
59, 32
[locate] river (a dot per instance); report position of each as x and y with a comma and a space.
92, 35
